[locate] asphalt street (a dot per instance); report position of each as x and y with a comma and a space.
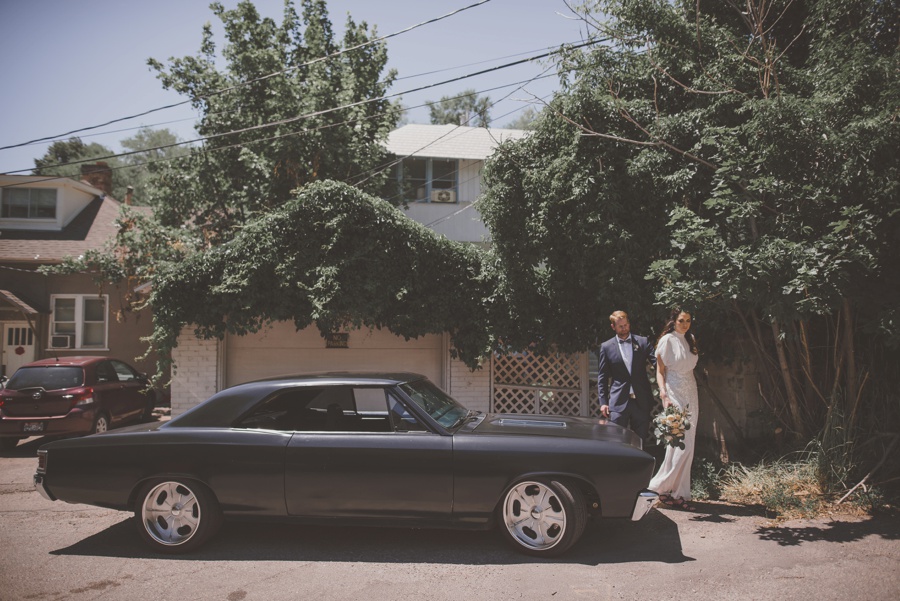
56, 551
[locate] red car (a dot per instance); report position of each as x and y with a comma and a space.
72, 395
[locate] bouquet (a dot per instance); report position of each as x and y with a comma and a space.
670, 425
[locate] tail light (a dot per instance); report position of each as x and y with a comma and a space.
42, 460
83, 398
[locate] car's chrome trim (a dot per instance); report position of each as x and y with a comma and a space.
41, 488
531, 423
645, 501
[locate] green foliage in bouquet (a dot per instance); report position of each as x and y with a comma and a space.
670, 425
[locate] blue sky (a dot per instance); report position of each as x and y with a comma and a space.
68, 64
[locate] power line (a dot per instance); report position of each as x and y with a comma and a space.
251, 81
326, 111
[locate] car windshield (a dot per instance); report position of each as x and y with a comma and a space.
441, 407
54, 377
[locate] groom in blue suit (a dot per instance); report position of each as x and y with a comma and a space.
622, 384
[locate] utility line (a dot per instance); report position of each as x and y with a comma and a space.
414, 76
326, 111
251, 81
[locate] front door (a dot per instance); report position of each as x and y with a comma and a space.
18, 347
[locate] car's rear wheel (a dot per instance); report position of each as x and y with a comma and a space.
543, 517
101, 423
176, 516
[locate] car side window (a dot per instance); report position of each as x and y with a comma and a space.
125, 373
106, 373
331, 409
401, 419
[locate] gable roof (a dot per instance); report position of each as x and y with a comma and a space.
449, 141
90, 229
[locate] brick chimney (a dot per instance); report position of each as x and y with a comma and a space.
98, 175
129, 194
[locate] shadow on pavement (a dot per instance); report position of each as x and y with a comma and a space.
832, 532
655, 538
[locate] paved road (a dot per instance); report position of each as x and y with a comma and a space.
55, 551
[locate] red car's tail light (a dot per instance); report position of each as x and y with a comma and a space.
42, 460
83, 398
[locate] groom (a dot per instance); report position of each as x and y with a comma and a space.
622, 384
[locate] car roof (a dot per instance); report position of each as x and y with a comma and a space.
226, 405
79, 361
342, 377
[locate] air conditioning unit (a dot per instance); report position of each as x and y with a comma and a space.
60, 342
443, 196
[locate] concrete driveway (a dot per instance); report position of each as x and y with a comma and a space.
57, 551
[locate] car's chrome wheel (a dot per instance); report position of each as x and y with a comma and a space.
176, 516
101, 424
543, 517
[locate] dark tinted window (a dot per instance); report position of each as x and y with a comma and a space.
106, 373
330, 409
49, 378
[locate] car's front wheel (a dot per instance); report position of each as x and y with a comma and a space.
543, 517
176, 516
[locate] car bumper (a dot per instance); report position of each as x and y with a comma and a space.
42, 488
77, 421
645, 502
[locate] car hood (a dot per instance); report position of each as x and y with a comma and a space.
558, 426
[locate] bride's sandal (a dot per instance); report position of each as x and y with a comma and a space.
668, 501
683, 504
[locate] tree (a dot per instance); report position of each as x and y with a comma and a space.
467, 108
525, 120
740, 155
62, 152
292, 105
149, 145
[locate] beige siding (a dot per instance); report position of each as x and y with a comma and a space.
280, 350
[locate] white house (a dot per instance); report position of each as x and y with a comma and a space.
441, 166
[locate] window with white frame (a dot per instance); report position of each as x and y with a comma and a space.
428, 180
81, 318
28, 203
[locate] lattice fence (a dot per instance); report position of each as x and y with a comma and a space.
539, 384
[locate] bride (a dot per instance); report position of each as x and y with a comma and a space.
676, 357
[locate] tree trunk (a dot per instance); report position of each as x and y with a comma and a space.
793, 402
852, 386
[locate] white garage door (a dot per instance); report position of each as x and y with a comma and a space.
280, 350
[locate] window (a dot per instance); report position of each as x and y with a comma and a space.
82, 318
419, 178
28, 203
332, 409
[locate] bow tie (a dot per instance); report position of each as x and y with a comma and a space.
624, 341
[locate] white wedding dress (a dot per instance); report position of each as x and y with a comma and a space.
674, 475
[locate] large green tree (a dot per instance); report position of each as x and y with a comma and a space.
466, 108
146, 148
281, 106
58, 159
736, 157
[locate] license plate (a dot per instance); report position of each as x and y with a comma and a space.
33, 427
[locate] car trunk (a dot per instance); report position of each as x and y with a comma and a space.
43, 391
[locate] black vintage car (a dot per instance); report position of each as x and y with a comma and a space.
385, 449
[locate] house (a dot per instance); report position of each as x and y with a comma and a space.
42, 221
439, 172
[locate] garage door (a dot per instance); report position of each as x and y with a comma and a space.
280, 350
